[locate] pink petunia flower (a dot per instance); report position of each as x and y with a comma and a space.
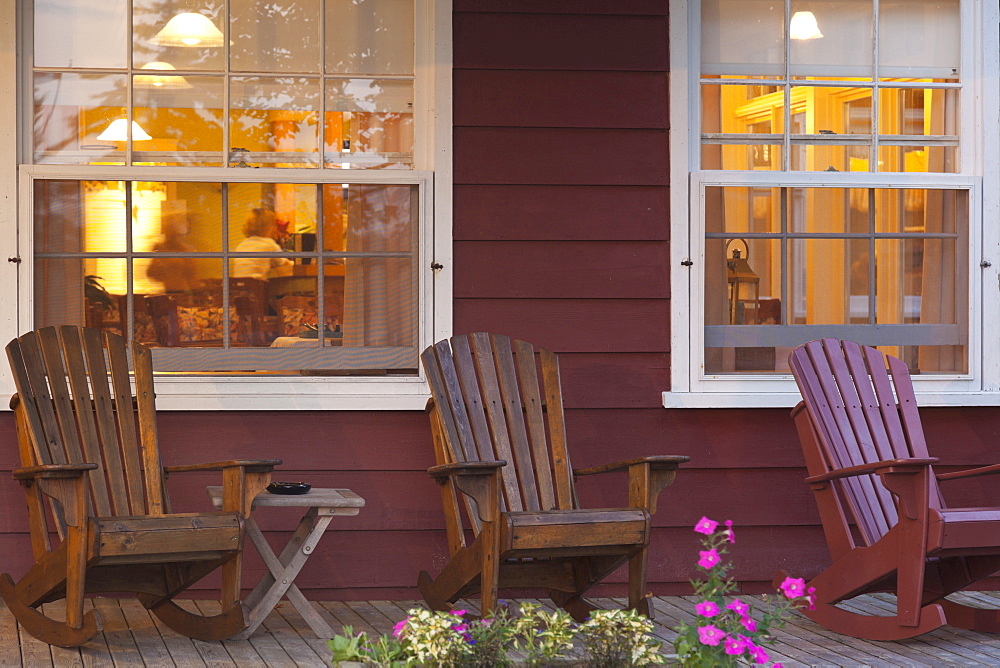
749, 623
793, 587
706, 526
707, 609
459, 613
776, 664
734, 646
812, 598
739, 607
397, 630
758, 654
709, 558
730, 532
710, 635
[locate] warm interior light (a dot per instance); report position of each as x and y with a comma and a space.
118, 131
804, 26
189, 29
160, 80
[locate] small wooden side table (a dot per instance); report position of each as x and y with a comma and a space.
321, 505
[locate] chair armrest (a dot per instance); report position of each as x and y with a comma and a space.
657, 462
970, 473
887, 466
251, 465
443, 471
52, 471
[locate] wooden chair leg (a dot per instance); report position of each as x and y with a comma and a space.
76, 573
489, 573
637, 599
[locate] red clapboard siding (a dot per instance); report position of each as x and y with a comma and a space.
572, 325
613, 380
560, 156
560, 42
560, 99
562, 269
622, 7
524, 212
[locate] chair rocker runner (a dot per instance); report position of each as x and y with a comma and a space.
865, 452
489, 425
76, 424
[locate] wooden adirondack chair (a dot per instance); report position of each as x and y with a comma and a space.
489, 424
868, 465
76, 426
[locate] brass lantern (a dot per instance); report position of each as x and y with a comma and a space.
744, 286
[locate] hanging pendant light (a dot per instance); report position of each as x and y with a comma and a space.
804, 26
118, 131
164, 81
189, 29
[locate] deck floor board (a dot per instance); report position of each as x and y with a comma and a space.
132, 636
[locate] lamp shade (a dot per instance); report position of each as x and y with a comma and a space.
118, 131
804, 26
164, 81
189, 29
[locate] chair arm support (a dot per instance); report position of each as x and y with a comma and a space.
251, 465
443, 471
970, 473
479, 480
52, 471
887, 466
657, 462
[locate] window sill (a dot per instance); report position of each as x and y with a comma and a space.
789, 399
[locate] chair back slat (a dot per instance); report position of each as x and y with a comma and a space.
527, 373
883, 509
844, 451
862, 413
121, 388
78, 379
142, 362
448, 402
562, 469
465, 367
489, 382
104, 412
516, 411
62, 402
36, 395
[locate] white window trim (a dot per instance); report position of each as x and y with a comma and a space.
689, 386
434, 153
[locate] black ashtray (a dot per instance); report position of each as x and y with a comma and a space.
289, 487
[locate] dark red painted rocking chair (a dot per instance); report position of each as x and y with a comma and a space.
865, 453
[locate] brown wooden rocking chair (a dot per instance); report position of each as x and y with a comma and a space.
865, 452
489, 426
76, 426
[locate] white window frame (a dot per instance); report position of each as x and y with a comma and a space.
690, 386
432, 175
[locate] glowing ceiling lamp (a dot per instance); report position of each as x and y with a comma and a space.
804, 26
160, 80
189, 29
118, 131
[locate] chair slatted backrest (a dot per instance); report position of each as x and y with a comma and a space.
492, 406
75, 396
862, 412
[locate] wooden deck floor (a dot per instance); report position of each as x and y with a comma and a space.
132, 638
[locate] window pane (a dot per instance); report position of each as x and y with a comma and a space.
735, 210
369, 36
918, 111
273, 37
185, 217
741, 156
71, 112
369, 123
829, 210
918, 159
273, 122
742, 37
65, 33
919, 38
185, 124
171, 31
842, 47
735, 108
919, 211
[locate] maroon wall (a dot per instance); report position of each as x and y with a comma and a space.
561, 238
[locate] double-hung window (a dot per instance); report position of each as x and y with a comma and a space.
829, 159
258, 191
